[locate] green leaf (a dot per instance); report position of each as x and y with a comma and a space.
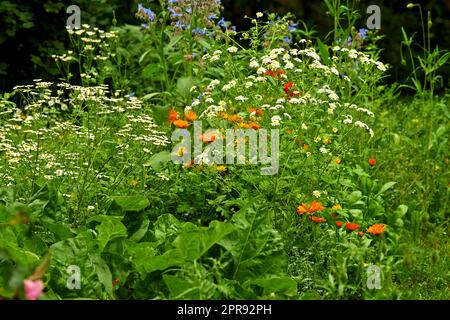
140, 233
166, 228
185, 84
325, 55
109, 228
193, 243
256, 248
285, 286
159, 159
131, 203
386, 187
95, 276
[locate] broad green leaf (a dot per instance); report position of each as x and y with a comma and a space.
386, 187
109, 228
131, 203
194, 243
159, 159
95, 276
185, 84
286, 286
257, 248
166, 227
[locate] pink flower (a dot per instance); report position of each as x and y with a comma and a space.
33, 289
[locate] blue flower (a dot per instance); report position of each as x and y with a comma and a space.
293, 27
363, 33
233, 28
173, 1
146, 12
212, 16
222, 23
174, 14
287, 39
200, 32
188, 10
349, 40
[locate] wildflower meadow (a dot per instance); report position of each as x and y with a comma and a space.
182, 157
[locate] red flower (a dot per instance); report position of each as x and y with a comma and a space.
173, 115
360, 233
339, 224
270, 73
280, 72
318, 220
288, 86
351, 226
372, 162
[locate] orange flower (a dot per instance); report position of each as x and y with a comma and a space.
318, 220
209, 137
244, 125
377, 229
234, 118
305, 147
224, 115
372, 162
181, 124
255, 126
173, 115
315, 206
339, 224
360, 233
301, 209
191, 116
257, 112
351, 226
337, 160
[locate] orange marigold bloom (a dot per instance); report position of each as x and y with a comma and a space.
360, 233
315, 206
350, 226
181, 124
377, 229
301, 209
254, 125
234, 118
191, 116
244, 125
339, 224
318, 220
209, 137
173, 115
